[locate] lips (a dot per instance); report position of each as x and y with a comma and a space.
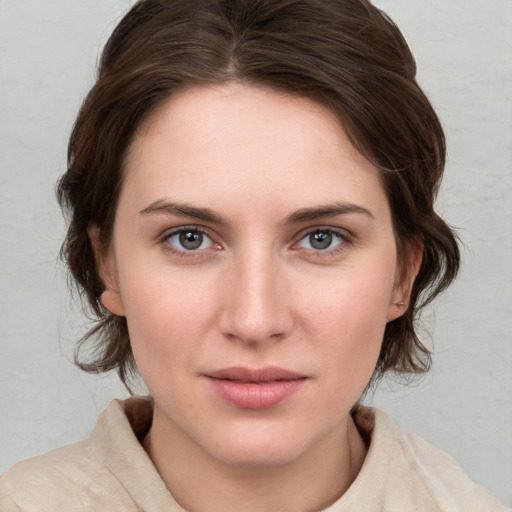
255, 388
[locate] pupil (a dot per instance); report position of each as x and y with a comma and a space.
191, 240
320, 240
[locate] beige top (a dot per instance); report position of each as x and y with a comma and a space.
110, 471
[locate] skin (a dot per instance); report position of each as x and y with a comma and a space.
256, 292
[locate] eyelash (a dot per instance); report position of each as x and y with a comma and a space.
346, 240
190, 253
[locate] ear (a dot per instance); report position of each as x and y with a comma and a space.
110, 298
406, 275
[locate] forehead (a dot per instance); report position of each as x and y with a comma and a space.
250, 143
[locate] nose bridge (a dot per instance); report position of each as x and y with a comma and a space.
256, 308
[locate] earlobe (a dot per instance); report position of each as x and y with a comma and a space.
401, 295
110, 298
112, 301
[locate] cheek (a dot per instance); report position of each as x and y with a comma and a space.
166, 312
353, 300
348, 318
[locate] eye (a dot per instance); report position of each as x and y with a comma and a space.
322, 240
189, 239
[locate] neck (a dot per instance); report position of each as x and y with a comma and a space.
200, 482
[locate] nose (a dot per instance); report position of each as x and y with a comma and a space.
256, 301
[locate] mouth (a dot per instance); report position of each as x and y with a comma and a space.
255, 388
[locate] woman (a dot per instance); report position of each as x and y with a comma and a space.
250, 191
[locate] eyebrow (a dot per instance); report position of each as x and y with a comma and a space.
323, 211
207, 215
183, 210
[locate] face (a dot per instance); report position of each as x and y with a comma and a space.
253, 256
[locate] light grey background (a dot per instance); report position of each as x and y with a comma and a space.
48, 51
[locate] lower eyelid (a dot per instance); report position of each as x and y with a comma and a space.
345, 241
191, 253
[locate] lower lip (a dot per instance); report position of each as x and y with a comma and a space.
250, 395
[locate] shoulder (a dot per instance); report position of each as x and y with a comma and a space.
418, 468
95, 474
55, 479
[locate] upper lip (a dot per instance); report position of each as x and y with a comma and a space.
267, 374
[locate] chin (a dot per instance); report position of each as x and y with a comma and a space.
258, 455
262, 446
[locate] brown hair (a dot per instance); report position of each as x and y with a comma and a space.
346, 54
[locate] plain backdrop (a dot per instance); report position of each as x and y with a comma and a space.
48, 52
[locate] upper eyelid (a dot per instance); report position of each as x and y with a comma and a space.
189, 227
182, 253
342, 232
310, 229
347, 241
179, 229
